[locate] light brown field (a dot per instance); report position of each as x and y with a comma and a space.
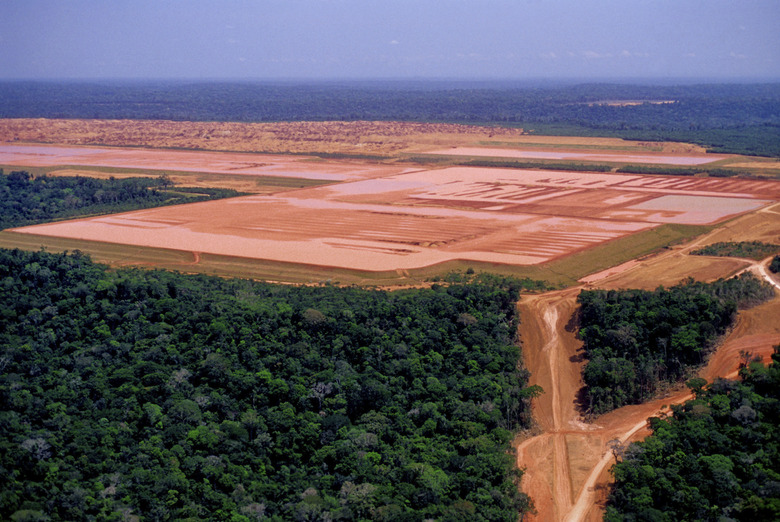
227, 163
383, 218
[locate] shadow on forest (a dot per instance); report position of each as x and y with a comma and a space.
581, 401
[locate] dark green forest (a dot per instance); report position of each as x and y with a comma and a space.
174, 397
636, 340
751, 249
27, 200
716, 458
739, 118
774, 265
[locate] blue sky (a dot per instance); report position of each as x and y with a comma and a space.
320, 39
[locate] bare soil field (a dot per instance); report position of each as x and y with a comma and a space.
389, 218
227, 163
605, 156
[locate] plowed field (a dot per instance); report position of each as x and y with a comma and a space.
385, 218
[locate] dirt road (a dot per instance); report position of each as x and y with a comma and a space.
567, 465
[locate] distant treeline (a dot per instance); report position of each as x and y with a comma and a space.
27, 200
742, 118
635, 340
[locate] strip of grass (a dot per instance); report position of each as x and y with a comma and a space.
571, 268
211, 264
109, 253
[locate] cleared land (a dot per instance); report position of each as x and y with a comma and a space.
382, 218
606, 156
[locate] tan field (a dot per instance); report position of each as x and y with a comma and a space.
390, 222
382, 218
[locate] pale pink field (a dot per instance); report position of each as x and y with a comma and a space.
416, 219
620, 157
245, 163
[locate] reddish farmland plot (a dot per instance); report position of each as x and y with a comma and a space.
390, 218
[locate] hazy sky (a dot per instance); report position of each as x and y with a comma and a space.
389, 38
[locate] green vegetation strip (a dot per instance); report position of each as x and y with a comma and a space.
749, 249
261, 180
499, 162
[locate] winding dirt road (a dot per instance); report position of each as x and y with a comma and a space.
567, 465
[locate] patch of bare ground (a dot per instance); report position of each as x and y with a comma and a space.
331, 137
672, 266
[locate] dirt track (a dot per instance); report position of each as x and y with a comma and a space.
567, 465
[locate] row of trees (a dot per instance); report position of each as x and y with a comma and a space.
27, 200
171, 397
717, 457
741, 118
751, 249
635, 340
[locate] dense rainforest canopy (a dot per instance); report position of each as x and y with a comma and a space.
634, 339
716, 458
176, 397
739, 118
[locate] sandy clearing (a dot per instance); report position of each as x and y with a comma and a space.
553, 154
244, 163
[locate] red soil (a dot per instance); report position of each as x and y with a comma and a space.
388, 218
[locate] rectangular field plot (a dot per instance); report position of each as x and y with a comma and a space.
235, 163
391, 218
357, 236
617, 157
